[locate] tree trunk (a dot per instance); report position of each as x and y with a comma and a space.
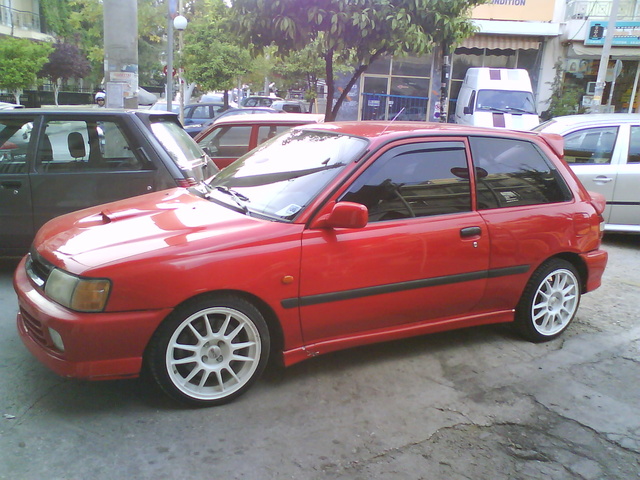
331, 85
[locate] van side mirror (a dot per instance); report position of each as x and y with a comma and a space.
467, 110
344, 215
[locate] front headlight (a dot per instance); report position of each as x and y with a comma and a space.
79, 294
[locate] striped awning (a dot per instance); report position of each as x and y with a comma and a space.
502, 42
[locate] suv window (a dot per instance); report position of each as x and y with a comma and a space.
70, 146
415, 180
591, 145
14, 140
514, 172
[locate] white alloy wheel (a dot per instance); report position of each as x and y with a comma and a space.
555, 302
549, 301
210, 352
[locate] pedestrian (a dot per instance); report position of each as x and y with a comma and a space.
101, 99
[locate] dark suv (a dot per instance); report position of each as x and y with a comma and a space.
54, 161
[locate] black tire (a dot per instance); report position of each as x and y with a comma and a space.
549, 302
210, 351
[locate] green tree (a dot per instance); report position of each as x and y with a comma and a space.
20, 61
301, 70
352, 31
210, 58
565, 97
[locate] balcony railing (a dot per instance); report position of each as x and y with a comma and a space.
628, 10
10, 17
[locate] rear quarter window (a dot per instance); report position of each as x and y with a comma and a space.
514, 173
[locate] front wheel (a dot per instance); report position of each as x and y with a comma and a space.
549, 302
211, 351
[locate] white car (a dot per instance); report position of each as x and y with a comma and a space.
604, 151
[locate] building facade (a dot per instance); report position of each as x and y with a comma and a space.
540, 36
21, 18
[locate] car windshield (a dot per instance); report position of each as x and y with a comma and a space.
506, 101
282, 176
186, 153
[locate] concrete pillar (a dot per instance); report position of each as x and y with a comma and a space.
121, 52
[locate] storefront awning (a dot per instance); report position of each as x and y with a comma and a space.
624, 53
502, 42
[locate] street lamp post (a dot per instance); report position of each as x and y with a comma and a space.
179, 23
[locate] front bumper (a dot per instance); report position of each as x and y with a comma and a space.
97, 346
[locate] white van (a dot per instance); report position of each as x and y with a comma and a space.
497, 97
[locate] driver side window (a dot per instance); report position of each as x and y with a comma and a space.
415, 180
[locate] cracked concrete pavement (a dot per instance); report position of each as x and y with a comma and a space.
472, 404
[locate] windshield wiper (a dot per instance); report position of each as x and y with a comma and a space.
521, 110
494, 109
237, 197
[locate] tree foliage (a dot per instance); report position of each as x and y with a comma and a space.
355, 31
211, 58
20, 61
66, 61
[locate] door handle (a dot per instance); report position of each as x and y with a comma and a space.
600, 179
11, 184
470, 232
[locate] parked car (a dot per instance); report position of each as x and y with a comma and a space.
196, 115
228, 139
54, 161
244, 111
290, 106
258, 101
9, 106
604, 151
328, 236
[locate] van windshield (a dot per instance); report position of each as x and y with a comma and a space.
505, 101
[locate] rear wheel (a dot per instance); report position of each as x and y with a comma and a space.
549, 302
211, 351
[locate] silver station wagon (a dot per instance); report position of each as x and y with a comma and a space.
604, 151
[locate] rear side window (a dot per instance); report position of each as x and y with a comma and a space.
591, 145
634, 146
75, 146
514, 172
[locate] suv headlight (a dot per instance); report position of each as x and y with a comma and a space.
75, 293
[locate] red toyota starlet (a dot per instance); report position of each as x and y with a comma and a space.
325, 237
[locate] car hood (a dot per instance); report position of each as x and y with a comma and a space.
168, 223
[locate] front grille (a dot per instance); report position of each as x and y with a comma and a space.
33, 328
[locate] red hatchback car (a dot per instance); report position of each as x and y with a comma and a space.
323, 238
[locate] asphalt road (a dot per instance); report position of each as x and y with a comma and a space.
473, 404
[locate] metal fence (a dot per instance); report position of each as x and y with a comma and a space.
377, 106
599, 9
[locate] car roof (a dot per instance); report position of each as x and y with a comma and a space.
93, 111
562, 123
387, 131
270, 118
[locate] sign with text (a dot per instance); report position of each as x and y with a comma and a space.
625, 34
517, 10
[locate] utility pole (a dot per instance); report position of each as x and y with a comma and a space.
121, 53
604, 58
